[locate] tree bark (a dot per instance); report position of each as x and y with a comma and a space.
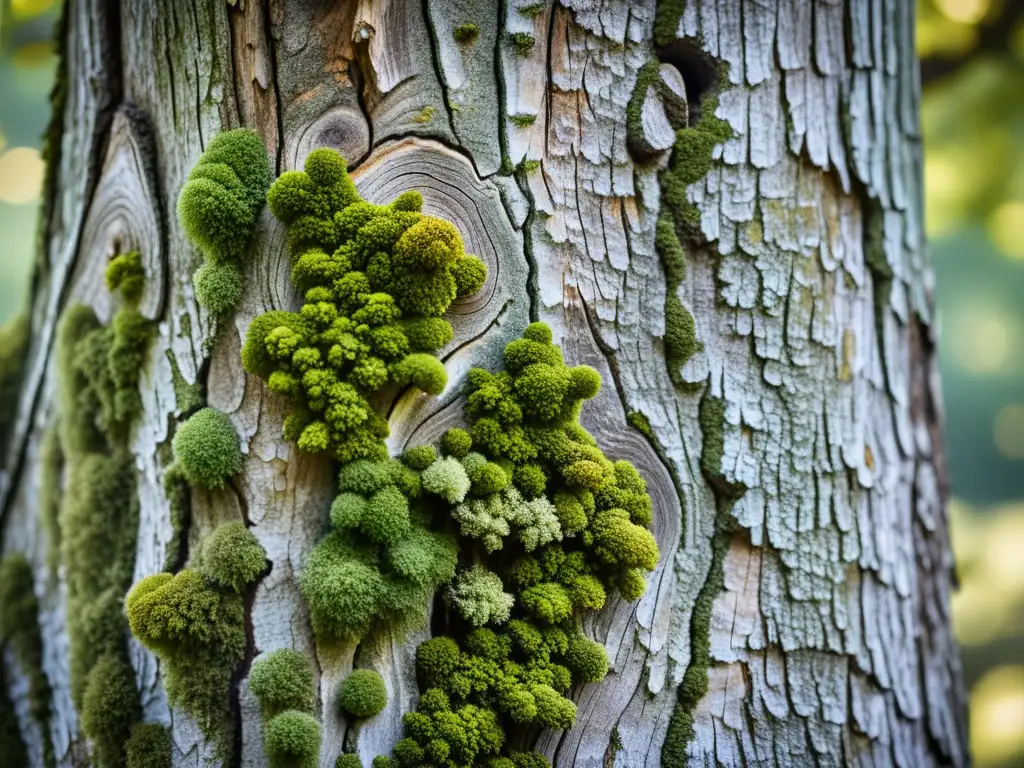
795, 459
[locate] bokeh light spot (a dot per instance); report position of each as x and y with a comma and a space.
964, 11
997, 711
21, 175
26, 9
1006, 228
1008, 431
982, 338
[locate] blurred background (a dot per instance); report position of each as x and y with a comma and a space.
972, 69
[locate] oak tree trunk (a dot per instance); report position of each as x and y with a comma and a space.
793, 450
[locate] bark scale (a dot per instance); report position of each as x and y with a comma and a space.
799, 614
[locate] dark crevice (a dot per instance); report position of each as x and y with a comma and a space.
439, 74
359, 82
700, 72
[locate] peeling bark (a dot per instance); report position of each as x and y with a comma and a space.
816, 494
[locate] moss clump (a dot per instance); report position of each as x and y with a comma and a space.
348, 760
19, 628
194, 622
571, 526
529, 166
523, 120
532, 11
232, 557
218, 287
14, 336
126, 275
206, 449
376, 281
362, 694
110, 708
466, 33
522, 42
282, 680
292, 740
149, 746
218, 207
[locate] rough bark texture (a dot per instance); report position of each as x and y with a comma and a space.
795, 459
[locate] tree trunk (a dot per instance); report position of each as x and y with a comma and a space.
780, 395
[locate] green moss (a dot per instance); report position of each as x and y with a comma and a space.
12, 746
466, 33
179, 499
197, 629
231, 557
282, 680
348, 760
110, 708
362, 694
639, 422
292, 740
531, 11
218, 207
125, 274
646, 77
206, 449
218, 287
376, 281
51, 472
424, 116
187, 397
666, 21
98, 369
523, 120
522, 42
19, 628
149, 746
695, 680
98, 520
14, 336
529, 166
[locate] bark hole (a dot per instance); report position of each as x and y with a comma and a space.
699, 72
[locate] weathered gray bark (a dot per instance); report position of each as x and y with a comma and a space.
811, 294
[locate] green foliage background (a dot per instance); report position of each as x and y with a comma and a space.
973, 115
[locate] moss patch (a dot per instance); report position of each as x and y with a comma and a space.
466, 33
695, 681
149, 746
522, 120
218, 208
14, 336
11, 743
522, 43
194, 621
19, 627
